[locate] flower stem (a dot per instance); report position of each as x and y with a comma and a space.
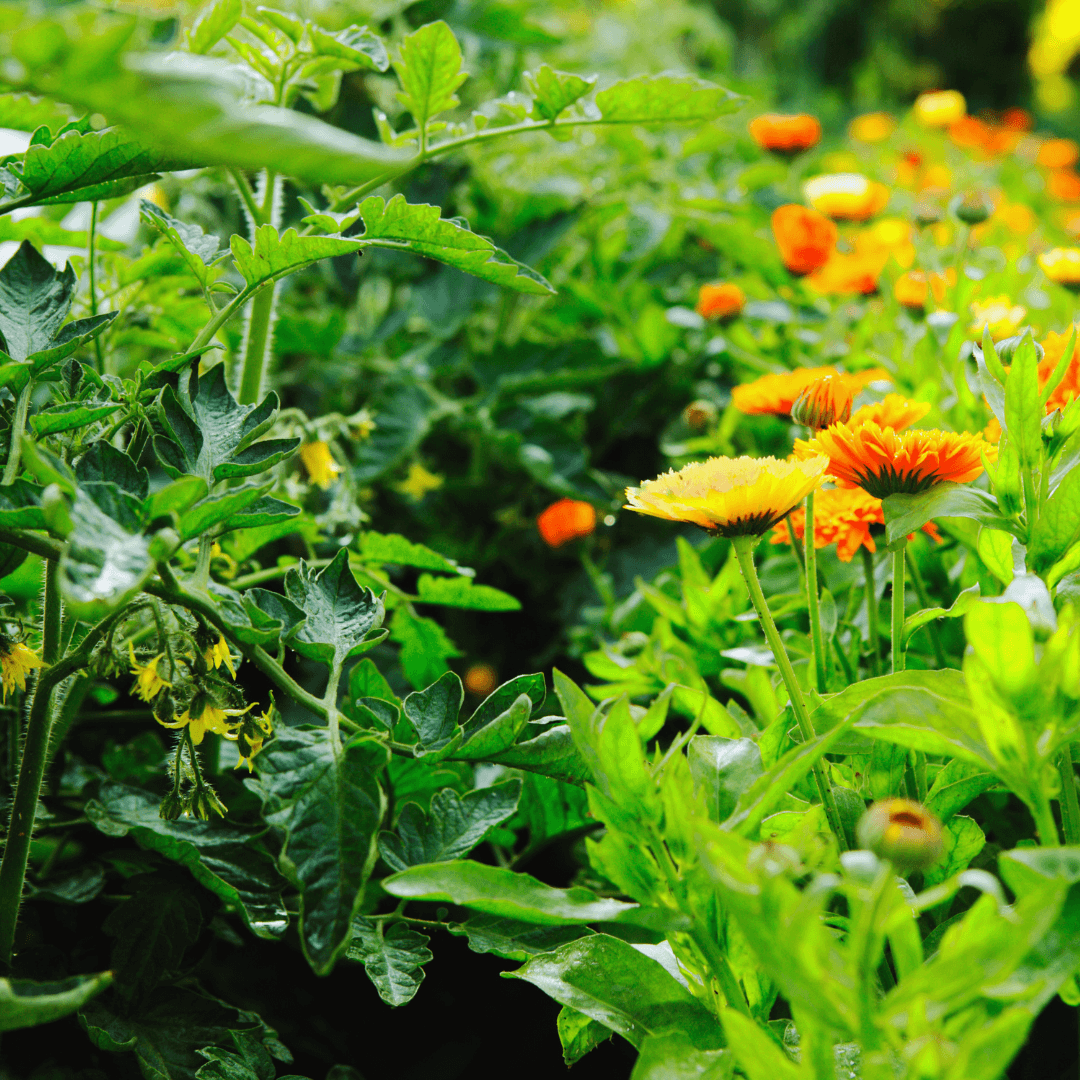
202, 564
898, 608
744, 551
820, 657
18, 426
871, 611
1070, 805
1045, 825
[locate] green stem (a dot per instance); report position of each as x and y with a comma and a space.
18, 426
91, 277
1045, 825
744, 551
924, 602
795, 545
68, 711
898, 608
257, 339
820, 658
202, 564
51, 614
1070, 805
864, 942
330, 701
871, 611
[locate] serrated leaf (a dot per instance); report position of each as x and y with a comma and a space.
213, 23
553, 91
512, 939
217, 508
454, 826
665, 99
420, 227
198, 249
393, 958
356, 44
69, 416
395, 549
26, 1004
274, 256
496, 735
329, 805
262, 512
34, 301
429, 68
552, 753
425, 647
460, 592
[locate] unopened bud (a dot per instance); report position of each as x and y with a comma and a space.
973, 208
163, 543
823, 403
1006, 348
699, 414
203, 801
903, 832
172, 806
926, 214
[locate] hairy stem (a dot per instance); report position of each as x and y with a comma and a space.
259, 330
898, 608
820, 658
202, 563
18, 426
51, 614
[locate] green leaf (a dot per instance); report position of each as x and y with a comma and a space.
213, 23
961, 605
502, 892
69, 416
275, 256
579, 1034
433, 713
20, 506
757, 1054
34, 302
328, 803
420, 228
552, 753
905, 514
955, 786
962, 840
429, 68
252, 1061
264, 511
393, 958
395, 549
665, 99
357, 45
404, 413
1023, 408
995, 548
723, 769
611, 982
453, 828
513, 939
554, 91
460, 592
220, 507
26, 1004
499, 734
198, 249
224, 858
174, 497
425, 647
1058, 526
672, 1056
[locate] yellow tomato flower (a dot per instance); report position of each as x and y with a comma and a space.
999, 314
731, 496
872, 127
251, 736
940, 108
148, 683
15, 662
219, 654
321, 467
419, 482
212, 719
849, 196
1062, 266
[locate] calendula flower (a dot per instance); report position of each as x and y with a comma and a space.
15, 661
888, 238
872, 127
940, 108
566, 520
720, 301
1062, 266
913, 288
419, 482
846, 517
893, 411
999, 315
1017, 119
731, 496
1058, 154
776, 394
1064, 185
844, 274
148, 683
321, 467
785, 134
1068, 390
846, 196
211, 718
219, 654
805, 237
823, 403
884, 462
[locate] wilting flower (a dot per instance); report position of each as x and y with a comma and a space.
321, 467
720, 300
148, 683
731, 496
211, 718
219, 654
566, 520
872, 127
845, 274
845, 517
252, 733
1062, 266
1068, 390
805, 237
893, 411
785, 134
884, 462
940, 108
1058, 154
903, 832
823, 403
999, 315
15, 661
846, 196
480, 679
913, 288
777, 393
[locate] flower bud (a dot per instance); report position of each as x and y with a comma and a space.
823, 403
699, 415
163, 543
172, 806
972, 208
903, 832
1006, 348
203, 801
927, 213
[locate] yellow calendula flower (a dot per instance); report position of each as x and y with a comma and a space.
219, 654
321, 467
847, 196
872, 127
15, 662
210, 719
999, 314
419, 482
1062, 266
148, 683
940, 108
731, 496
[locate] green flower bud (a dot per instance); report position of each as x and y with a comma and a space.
172, 806
163, 543
903, 832
1006, 348
972, 208
699, 415
926, 213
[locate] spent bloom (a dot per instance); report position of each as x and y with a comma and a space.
902, 831
846, 196
720, 300
321, 467
805, 237
148, 683
15, 661
786, 134
566, 520
731, 496
940, 108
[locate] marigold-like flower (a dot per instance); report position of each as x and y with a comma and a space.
775, 394
999, 314
846, 196
211, 719
843, 275
888, 238
1068, 390
971, 133
940, 108
219, 654
321, 467
1062, 266
1058, 154
148, 683
566, 520
731, 496
15, 661
805, 237
893, 411
872, 127
720, 300
1017, 119
785, 134
823, 403
913, 288
1064, 185
884, 462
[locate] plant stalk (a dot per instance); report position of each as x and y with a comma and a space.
91, 279
18, 426
820, 656
259, 331
898, 608
871, 612
1070, 804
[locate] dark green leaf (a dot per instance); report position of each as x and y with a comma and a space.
198, 249
433, 713
552, 753
665, 99
502, 697
174, 497
404, 412
26, 1004
906, 514
20, 506
262, 512
497, 735
220, 507
513, 939
34, 301
393, 958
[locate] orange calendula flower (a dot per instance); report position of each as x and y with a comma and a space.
846, 196
566, 520
776, 394
321, 467
16, 661
846, 517
786, 134
731, 496
1064, 185
872, 127
148, 683
823, 403
940, 108
999, 315
1068, 390
805, 237
893, 411
1058, 154
1062, 266
720, 300
1017, 119
219, 654
844, 275
913, 289
884, 462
